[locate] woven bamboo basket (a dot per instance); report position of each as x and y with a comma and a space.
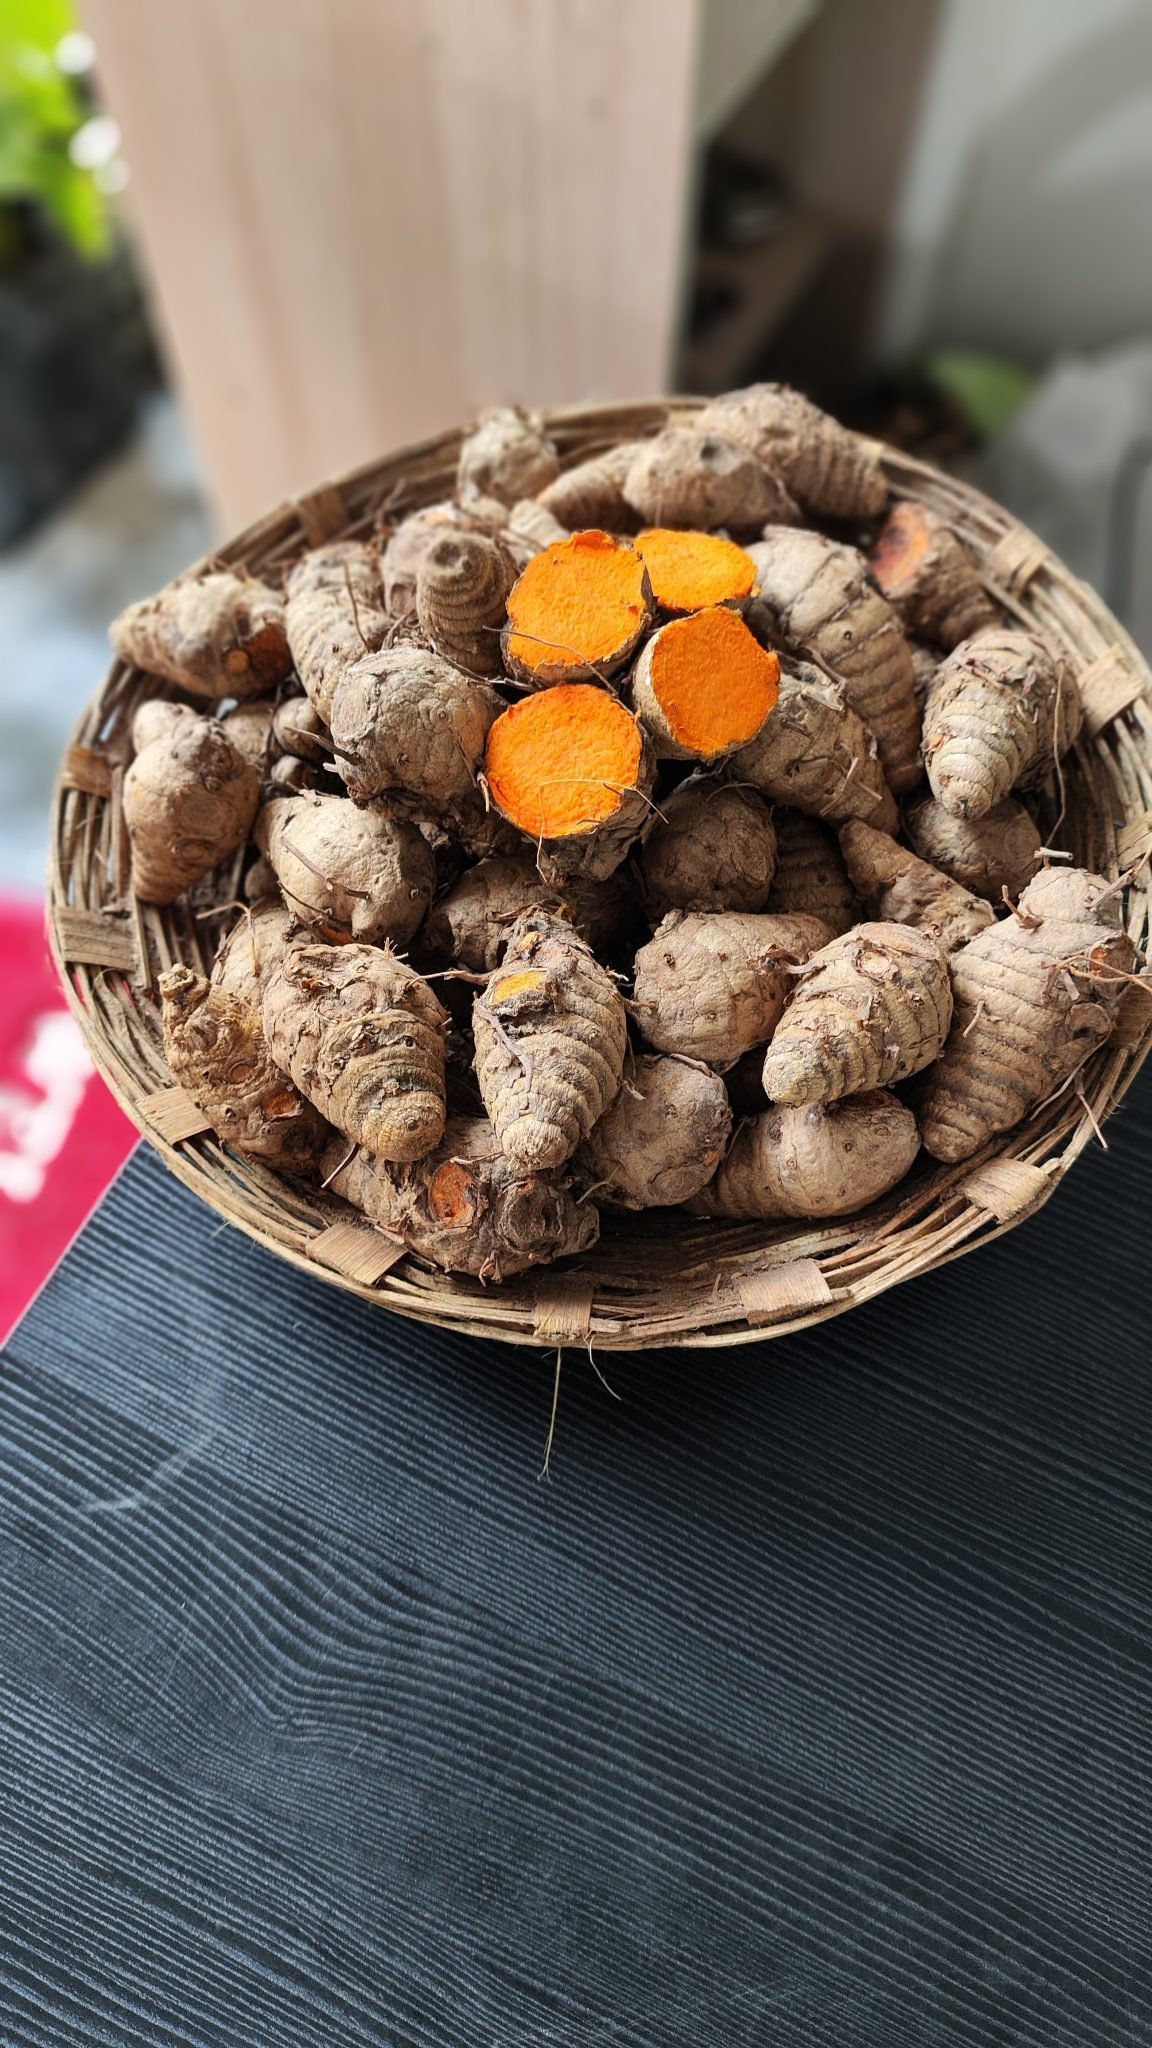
661, 1278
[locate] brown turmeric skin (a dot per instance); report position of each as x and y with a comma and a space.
217, 635
215, 1047
663, 1137
827, 469
363, 1037
685, 477
335, 614
712, 848
252, 951
925, 574
351, 873
998, 852
1035, 994
407, 544
712, 986
189, 801
900, 888
466, 1207
507, 456
592, 493
999, 714
871, 1008
815, 753
814, 1159
810, 873
551, 1032
405, 721
461, 591
823, 604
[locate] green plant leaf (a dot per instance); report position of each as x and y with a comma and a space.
40, 111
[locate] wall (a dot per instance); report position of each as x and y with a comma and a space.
1026, 218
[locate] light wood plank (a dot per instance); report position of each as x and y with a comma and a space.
368, 219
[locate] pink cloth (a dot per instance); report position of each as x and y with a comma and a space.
62, 1136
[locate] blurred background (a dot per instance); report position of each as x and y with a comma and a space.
245, 247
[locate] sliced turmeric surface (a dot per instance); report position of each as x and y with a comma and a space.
689, 571
900, 548
562, 762
577, 610
705, 684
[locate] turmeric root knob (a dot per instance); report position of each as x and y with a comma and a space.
352, 873
577, 611
712, 848
1000, 711
551, 1034
571, 769
1035, 994
189, 801
219, 635
663, 1136
820, 597
987, 855
830, 470
461, 591
363, 1037
872, 1007
711, 986
216, 1049
810, 873
815, 753
592, 492
901, 888
466, 1207
704, 685
507, 456
689, 571
924, 572
813, 1160
687, 478
335, 614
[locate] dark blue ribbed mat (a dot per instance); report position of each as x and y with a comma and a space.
808, 1702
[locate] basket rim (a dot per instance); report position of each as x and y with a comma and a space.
758, 1281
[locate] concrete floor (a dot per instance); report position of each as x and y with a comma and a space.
127, 531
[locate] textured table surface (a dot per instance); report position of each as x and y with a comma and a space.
808, 1701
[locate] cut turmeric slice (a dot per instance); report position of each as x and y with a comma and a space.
926, 575
689, 571
704, 684
570, 767
577, 611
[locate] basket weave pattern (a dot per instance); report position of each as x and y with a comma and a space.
659, 1278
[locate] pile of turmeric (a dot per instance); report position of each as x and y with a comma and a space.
612, 835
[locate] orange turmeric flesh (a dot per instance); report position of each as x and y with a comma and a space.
688, 571
901, 545
560, 763
577, 610
452, 1196
705, 684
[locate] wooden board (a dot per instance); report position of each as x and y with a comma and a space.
368, 218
